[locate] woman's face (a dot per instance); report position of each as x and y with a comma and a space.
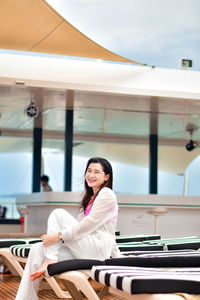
95, 176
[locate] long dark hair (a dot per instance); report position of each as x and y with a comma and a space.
107, 168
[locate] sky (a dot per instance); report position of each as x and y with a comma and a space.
155, 32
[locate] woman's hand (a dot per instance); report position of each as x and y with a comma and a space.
49, 239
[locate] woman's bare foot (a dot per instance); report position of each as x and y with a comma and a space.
42, 269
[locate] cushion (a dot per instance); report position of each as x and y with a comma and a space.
182, 259
20, 250
139, 247
136, 238
187, 245
137, 280
6, 243
72, 264
157, 252
175, 260
34, 240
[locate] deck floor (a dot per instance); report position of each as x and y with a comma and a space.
9, 285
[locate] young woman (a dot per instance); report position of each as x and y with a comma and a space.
92, 236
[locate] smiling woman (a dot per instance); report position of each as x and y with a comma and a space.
91, 236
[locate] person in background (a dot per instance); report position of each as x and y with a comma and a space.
90, 236
45, 184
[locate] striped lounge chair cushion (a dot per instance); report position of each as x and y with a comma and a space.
20, 250
139, 280
23, 249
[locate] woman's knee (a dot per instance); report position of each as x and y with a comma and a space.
58, 211
59, 219
36, 249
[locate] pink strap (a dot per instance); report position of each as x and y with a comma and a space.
88, 208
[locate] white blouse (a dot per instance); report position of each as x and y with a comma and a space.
100, 222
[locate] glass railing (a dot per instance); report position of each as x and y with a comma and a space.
11, 209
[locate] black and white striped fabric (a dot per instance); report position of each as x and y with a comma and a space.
140, 280
20, 250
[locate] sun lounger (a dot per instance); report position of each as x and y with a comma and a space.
179, 243
121, 277
17, 255
5, 244
151, 273
75, 274
161, 244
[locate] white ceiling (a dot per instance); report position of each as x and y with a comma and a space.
114, 126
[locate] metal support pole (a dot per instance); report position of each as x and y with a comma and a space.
37, 140
37, 149
153, 168
153, 147
68, 141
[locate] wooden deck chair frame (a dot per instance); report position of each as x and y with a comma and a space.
74, 279
14, 264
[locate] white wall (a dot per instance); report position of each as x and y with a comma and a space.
170, 216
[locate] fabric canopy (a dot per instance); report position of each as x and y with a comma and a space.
28, 25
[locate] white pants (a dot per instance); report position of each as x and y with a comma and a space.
86, 247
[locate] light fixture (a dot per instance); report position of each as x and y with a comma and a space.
192, 144
32, 110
